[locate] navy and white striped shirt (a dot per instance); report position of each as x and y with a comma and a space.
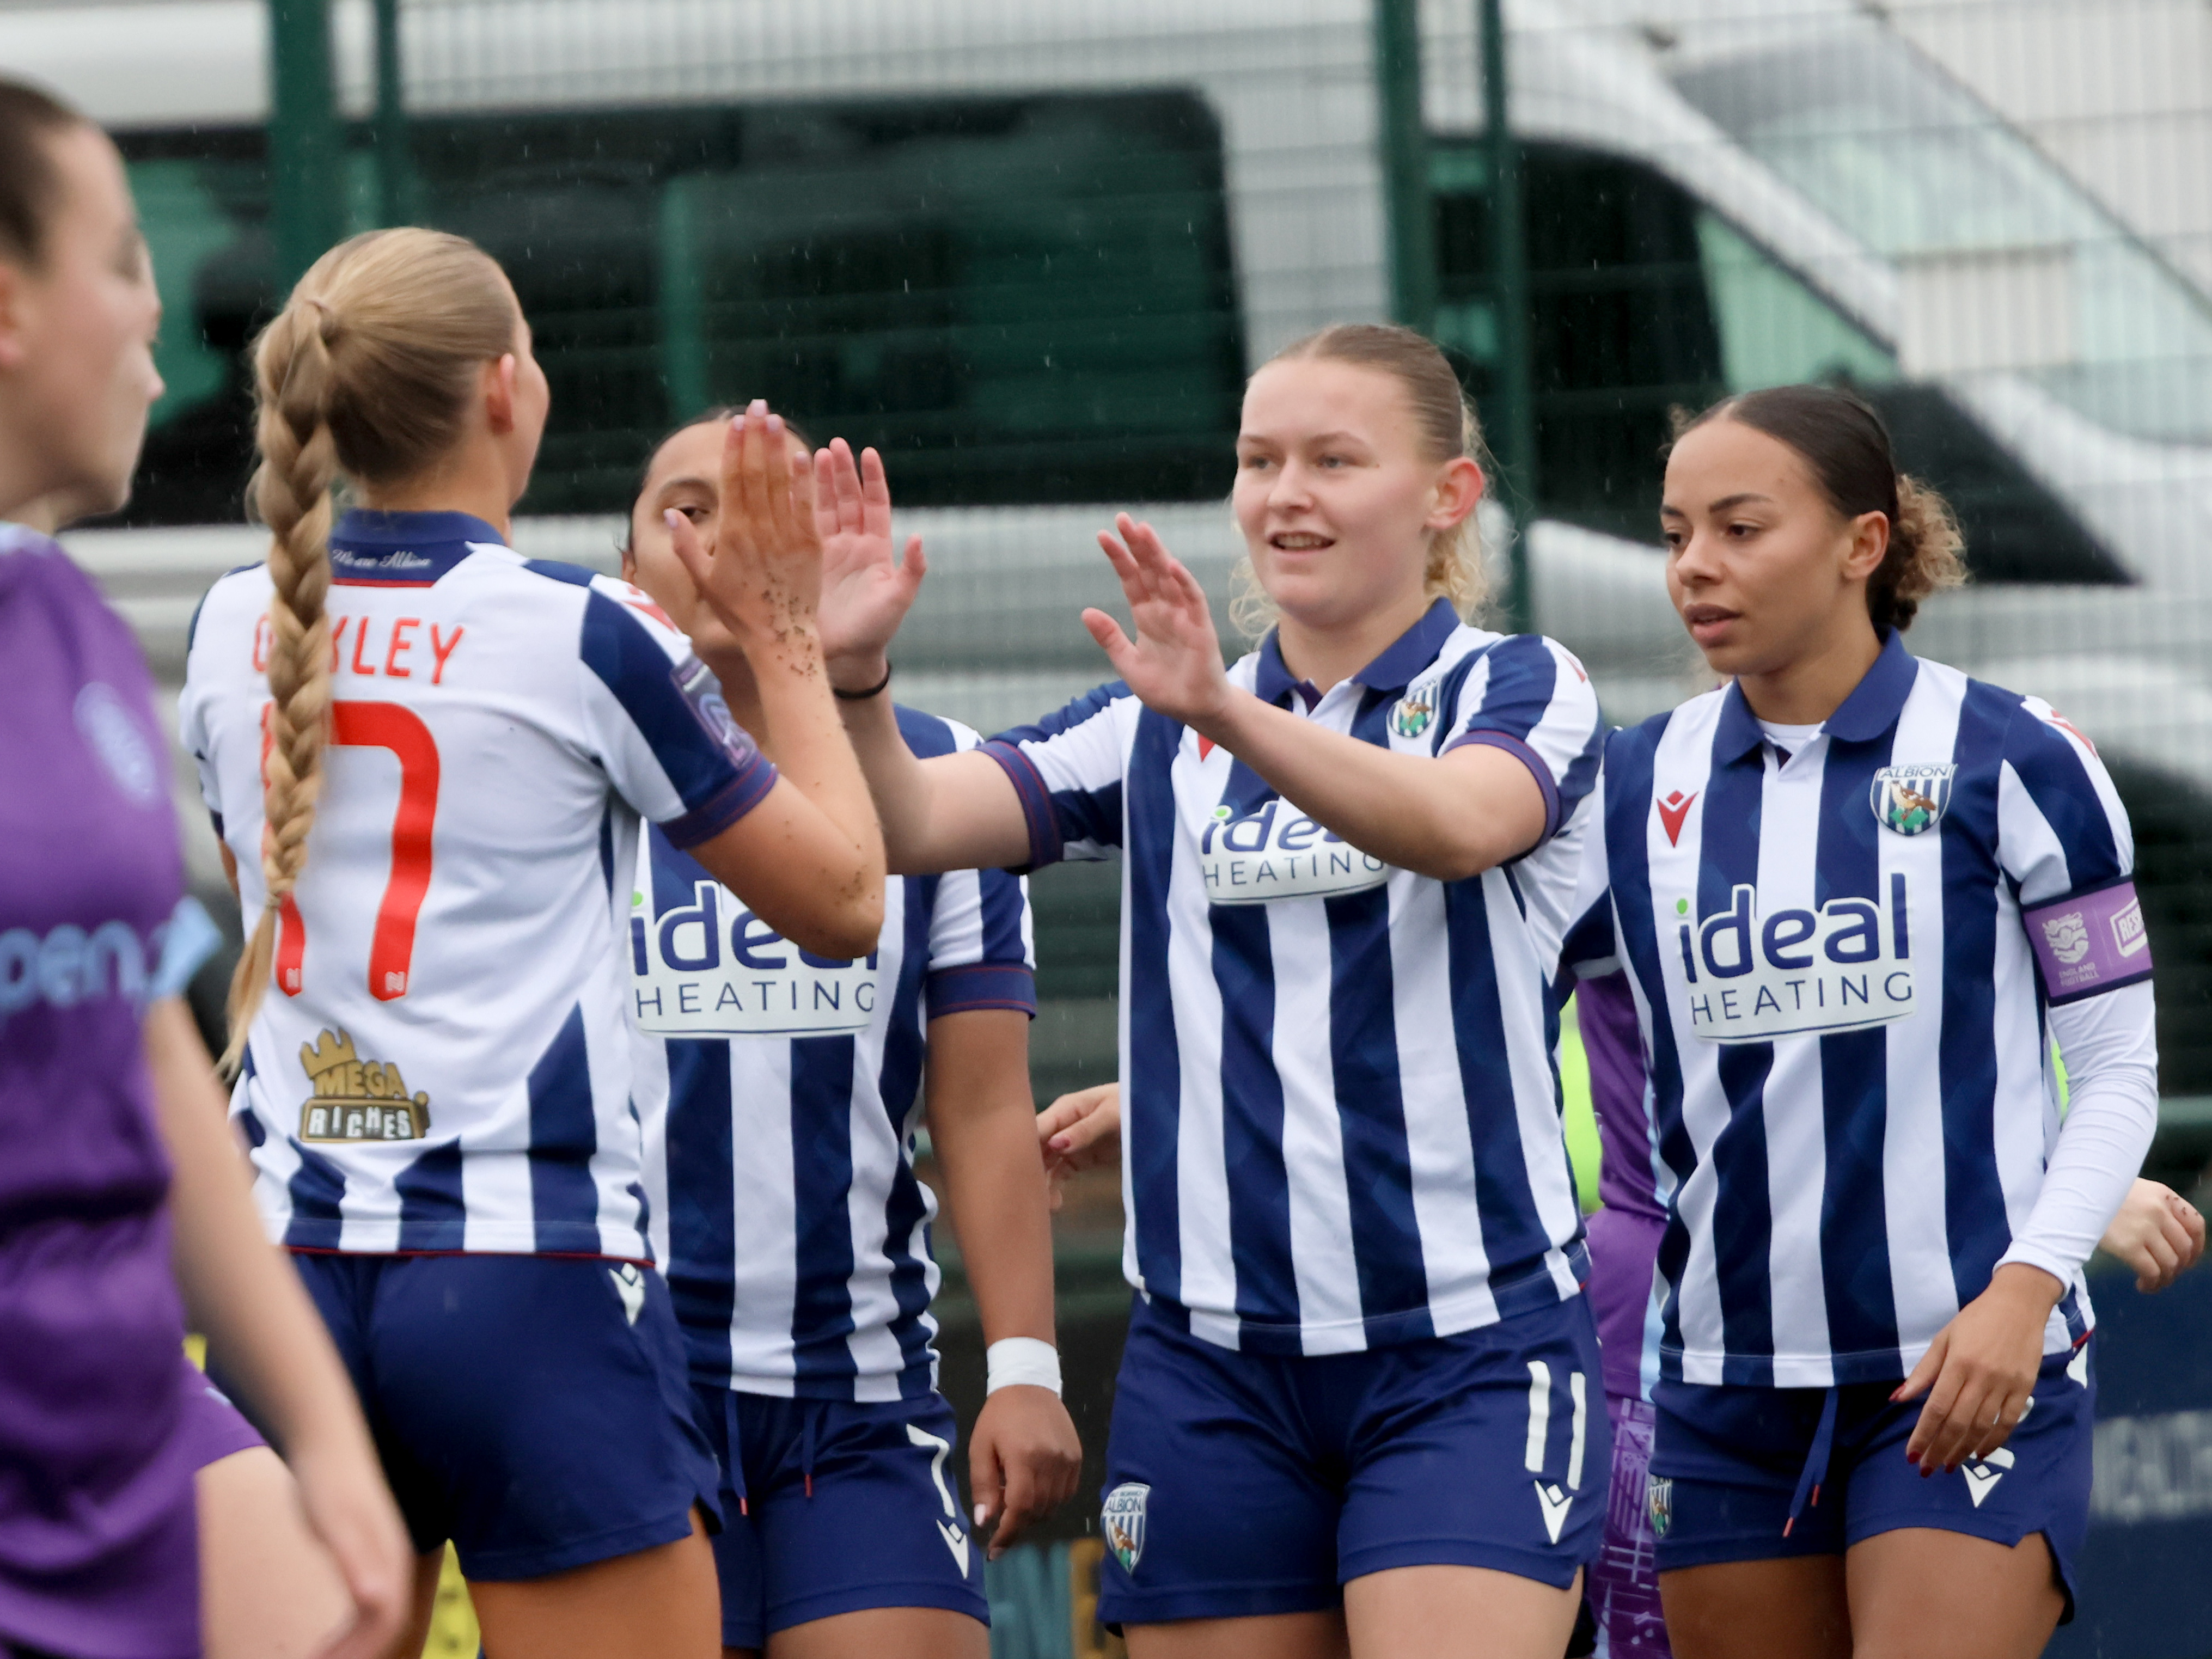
781, 1092
1340, 1119
1846, 964
441, 1062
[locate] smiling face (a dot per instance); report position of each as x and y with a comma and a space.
1764, 571
1336, 497
76, 337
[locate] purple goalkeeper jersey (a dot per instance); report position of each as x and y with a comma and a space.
96, 1540
1623, 1235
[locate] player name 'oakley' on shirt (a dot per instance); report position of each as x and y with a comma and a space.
1341, 1123
1836, 959
444, 1061
781, 1092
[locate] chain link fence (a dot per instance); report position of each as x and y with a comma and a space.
1031, 252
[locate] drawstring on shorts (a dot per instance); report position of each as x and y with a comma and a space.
733, 1465
1816, 1462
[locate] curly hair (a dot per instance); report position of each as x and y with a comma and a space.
1845, 446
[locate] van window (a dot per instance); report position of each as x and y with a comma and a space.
1017, 299
1644, 300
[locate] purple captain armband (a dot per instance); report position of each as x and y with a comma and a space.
2089, 942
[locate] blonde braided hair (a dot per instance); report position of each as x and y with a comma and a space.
368, 372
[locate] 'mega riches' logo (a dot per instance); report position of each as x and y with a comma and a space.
357, 1099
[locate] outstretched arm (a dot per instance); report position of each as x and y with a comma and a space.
244, 1296
809, 859
953, 812
1477, 808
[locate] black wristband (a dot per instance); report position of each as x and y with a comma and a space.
876, 690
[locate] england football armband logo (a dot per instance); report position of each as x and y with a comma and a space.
1274, 851
2089, 942
707, 966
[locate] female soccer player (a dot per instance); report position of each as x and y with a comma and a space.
788, 1086
1857, 895
1360, 1397
97, 1530
438, 1083
2157, 1234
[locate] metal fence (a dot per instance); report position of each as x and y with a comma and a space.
1031, 251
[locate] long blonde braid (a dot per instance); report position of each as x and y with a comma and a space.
291, 494
367, 372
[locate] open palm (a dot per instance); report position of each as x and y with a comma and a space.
865, 590
1174, 664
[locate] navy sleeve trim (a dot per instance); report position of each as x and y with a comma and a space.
1527, 757
723, 808
982, 985
1046, 845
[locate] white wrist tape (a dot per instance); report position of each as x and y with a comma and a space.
1021, 1360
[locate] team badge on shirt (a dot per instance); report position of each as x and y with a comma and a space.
114, 737
1912, 799
356, 1099
1411, 715
1122, 1520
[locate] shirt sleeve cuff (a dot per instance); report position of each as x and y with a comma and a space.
736, 797
982, 985
1527, 757
1046, 842
2030, 1254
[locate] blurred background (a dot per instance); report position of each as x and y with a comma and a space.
1030, 251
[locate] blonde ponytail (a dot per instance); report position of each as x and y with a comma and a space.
367, 373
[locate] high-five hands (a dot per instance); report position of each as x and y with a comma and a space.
865, 591
1174, 663
763, 574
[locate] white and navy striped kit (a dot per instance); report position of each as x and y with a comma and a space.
782, 1091
1340, 1119
443, 1062
1844, 960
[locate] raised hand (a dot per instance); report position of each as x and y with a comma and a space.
1175, 662
762, 575
865, 591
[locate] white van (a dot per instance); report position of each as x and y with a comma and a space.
1031, 251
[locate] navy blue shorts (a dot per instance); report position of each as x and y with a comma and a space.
1242, 1484
532, 1409
1727, 1462
832, 1506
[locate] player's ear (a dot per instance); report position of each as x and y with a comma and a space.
11, 314
499, 394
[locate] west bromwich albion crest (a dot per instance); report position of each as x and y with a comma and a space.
1910, 798
1411, 715
1122, 1520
